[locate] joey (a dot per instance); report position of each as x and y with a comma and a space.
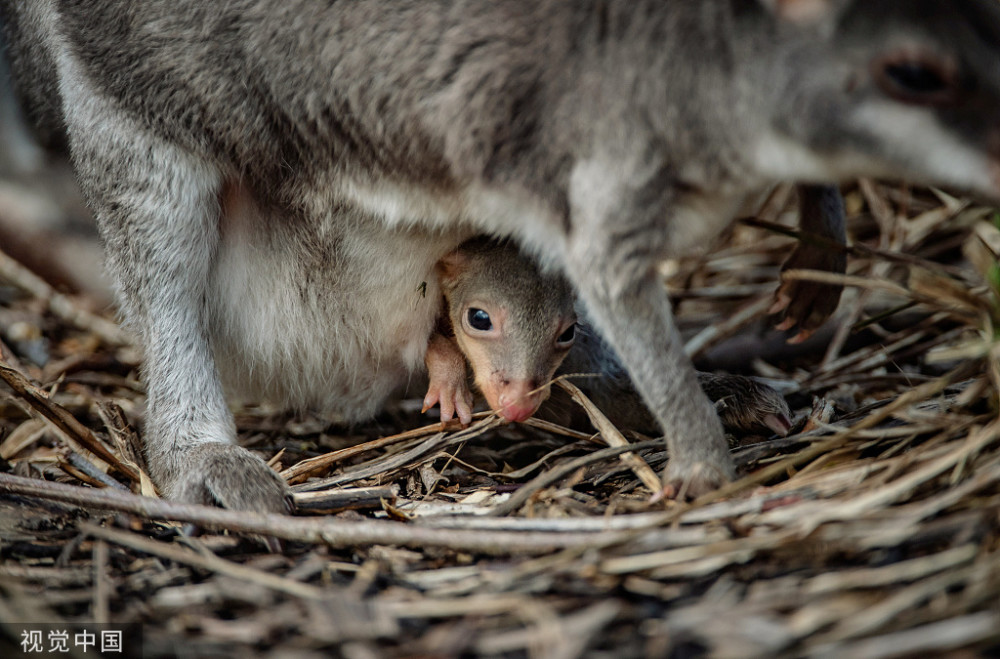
518, 328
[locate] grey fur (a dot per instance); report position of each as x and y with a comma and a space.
603, 134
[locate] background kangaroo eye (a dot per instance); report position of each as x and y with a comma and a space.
480, 320
917, 80
568, 335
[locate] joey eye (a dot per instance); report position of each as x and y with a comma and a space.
567, 337
918, 80
479, 320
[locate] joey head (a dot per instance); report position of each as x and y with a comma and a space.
518, 328
513, 323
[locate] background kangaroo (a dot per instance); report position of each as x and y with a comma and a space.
232, 152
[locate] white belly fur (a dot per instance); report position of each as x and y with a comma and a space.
332, 315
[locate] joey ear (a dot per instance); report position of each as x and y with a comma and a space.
805, 13
451, 266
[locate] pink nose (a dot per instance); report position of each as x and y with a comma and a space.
517, 402
517, 412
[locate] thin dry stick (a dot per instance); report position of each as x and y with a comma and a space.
451, 607
894, 573
899, 488
60, 305
376, 467
719, 331
884, 214
124, 437
343, 499
333, 532
761, 476
545, 479
876, 616
923, 391
302, 470
61, 418
540, 462
102, 587
858, 250
88, 468
728, 551
555, 428
943, 500
875, 283
383, 465
7, 355
845, 327
822, 277
613, 437
567, 637
932, 639
209, 562
869, 358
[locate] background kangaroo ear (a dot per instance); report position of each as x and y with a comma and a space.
806, 12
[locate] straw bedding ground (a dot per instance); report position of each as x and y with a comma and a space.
871, 531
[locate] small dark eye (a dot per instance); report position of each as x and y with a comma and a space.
916, 80
480, 320
568, 335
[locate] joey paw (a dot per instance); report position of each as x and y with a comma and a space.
448, 384
226, 475
454, 399
808, 304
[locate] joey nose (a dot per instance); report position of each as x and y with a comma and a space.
517, 412
518, 400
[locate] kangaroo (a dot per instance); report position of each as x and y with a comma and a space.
233, 152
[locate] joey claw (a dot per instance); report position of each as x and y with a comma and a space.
225, 475
430, 400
